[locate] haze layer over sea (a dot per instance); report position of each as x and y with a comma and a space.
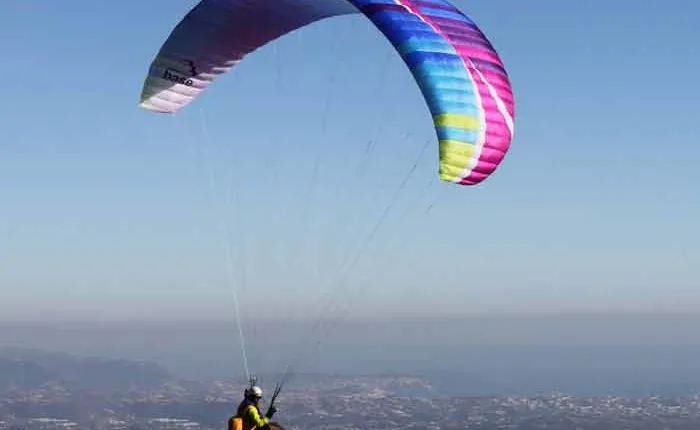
583, 354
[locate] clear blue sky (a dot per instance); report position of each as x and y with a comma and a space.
107, 210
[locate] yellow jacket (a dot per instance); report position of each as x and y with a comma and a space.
247, 417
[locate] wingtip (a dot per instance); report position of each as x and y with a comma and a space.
147, 105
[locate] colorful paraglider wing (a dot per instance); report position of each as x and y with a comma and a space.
462, 79
215, 35
459, 73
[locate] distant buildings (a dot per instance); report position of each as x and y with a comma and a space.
342, 403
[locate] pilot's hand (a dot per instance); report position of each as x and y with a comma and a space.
271, 412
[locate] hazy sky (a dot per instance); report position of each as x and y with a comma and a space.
107, 210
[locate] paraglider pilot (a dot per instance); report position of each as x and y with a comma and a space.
248, 415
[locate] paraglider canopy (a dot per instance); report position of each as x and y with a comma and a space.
461, 76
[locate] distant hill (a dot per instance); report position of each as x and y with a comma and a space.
22, 374
30, 369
